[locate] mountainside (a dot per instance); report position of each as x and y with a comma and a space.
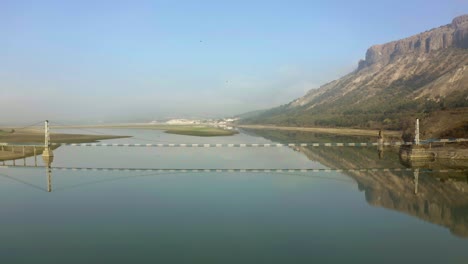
420, 76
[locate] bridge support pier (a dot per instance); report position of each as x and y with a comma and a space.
47, 153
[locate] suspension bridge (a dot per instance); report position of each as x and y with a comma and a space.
290, 172
48, 144
47, 153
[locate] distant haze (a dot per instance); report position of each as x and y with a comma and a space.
120, 61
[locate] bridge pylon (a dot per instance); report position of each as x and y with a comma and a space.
47, 154
416, 133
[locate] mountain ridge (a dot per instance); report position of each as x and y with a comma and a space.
417, 76
450, 35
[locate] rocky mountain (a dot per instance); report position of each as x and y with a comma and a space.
451, 35
419, 76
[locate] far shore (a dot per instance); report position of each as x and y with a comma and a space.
336, 131
198, 130
326, 130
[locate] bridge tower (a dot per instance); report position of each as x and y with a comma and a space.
416, 133
47, 154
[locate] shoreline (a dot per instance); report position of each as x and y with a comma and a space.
336, 131
34, 137
10, 152
198, 130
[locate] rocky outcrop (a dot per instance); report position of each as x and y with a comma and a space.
460, 36
452, 35
413, 76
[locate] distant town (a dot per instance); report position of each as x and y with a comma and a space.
224, 123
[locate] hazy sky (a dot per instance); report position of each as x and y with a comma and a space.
121, 60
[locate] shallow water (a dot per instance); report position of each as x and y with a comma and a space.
332, 216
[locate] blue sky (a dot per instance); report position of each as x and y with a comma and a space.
143, 60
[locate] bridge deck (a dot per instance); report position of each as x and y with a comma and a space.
237, 145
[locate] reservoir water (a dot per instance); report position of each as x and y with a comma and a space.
369, 207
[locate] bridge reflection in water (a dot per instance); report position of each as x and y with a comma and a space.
437, 195
287, 171
48, 166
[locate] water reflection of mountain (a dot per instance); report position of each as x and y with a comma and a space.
442, 198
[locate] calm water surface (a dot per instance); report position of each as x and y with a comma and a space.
209, 217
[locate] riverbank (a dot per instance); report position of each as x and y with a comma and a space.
213, 131
35, 136
186, 130
336, 131
200, 131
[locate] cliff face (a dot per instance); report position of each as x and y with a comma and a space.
437, 58
454, 35
424, 73
461, 33
411, 76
